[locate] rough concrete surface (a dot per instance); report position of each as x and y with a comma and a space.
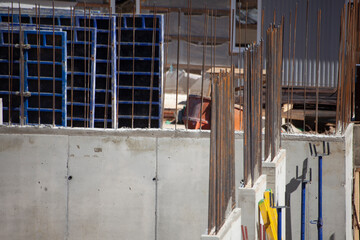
32, 187
334, 187
114, 190
182, 187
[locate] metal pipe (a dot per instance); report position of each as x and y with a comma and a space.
320, 219
303, 209
279, 223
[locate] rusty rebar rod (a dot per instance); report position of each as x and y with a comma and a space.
108, 65
133, 69
317, 70
53, 65
305, 76
203, 68
293, 63
177, 69
152, 66
188, 63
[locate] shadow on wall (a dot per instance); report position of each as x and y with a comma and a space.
290, 188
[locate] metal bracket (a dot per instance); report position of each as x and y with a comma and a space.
24, 46
326, 149
302, 177
317, 222
25, 94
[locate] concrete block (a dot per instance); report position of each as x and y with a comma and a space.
231, 230
112, 191
249, 198
275, 172
33, 186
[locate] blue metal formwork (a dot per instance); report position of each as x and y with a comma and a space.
81, 45
80, 100
136, 71
10, 91
105, 93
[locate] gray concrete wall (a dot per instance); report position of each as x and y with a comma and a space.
104, 184
336, 186
141, 184
356, 143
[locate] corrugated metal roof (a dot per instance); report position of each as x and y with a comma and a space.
329, 40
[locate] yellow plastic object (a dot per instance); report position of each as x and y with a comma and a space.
269, 215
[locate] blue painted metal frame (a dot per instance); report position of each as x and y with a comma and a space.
157, 72
63, 73
111, 75
59, 16
26, 32
92, 60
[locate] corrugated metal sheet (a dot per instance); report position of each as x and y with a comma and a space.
329, 41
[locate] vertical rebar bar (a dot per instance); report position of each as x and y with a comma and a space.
133, 69
305, 76
188, 63
108, 65
289, 76
38, 42
88, 73
72, 13
22, 74
317, 70
293, 63
177, 69
85, 66
118, 65
9, 67
53, 64
152, 66
203, 67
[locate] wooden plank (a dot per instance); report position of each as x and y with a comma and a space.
298, 114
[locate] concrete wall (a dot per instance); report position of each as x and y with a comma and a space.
356, 143
142, 184
104, 184
337, 185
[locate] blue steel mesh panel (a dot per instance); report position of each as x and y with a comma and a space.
10, 76
137, 68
